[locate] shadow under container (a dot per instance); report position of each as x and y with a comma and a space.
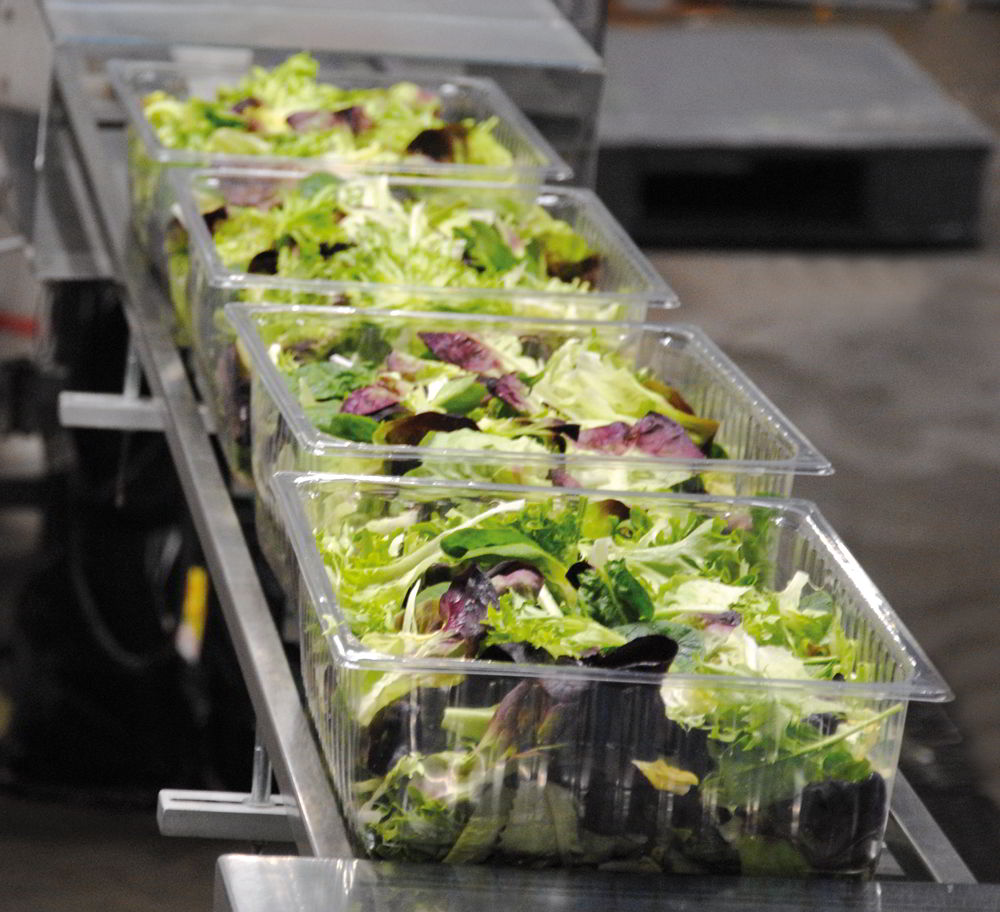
462, 97
581, 799
627, 285
765, 450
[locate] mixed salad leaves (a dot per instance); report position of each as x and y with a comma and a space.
532, 396
286, 111
363, 230
650, 770
360, 230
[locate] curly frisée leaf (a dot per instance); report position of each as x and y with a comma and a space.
558, 635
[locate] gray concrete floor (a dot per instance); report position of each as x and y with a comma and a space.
56, 856
890, 366
889, 363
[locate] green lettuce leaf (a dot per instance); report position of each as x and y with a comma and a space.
328, 418
613, 596
485, 247
327, 380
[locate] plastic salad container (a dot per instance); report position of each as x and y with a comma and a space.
646, 681
502, 143
608, 405
314, 239
599, 405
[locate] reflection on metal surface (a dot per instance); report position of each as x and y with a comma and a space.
274, 884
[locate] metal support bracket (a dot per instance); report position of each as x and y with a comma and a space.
113, 411
224, 815
258, 817
930, 845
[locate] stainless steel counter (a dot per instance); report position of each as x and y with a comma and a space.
246, 883
520, 32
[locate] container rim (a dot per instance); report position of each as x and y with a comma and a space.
923, 683
807, 459
549, 165
655, 291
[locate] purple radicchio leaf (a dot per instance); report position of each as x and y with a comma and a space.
264, 263
243, 192
520, 653
587, 270
563, 428
438, 144
573, 574
722, 623
353, 117
407, 366
356, 118
244, 104
827, 723
612, 507
657, 435
412, 429
562, 479
389, 412
739, 520
840, 823
510, 388
462, 349
535, 347
368, 399
328, 250
233, 383
652, 653
609, 438
519, 716
303, 121
213, 218
518, 575
463, 606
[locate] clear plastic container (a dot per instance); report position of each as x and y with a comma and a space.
765, 450
462, 97
626, 287
581, 765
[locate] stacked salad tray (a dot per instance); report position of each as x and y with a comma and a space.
204, 115
555, 606
570, 677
